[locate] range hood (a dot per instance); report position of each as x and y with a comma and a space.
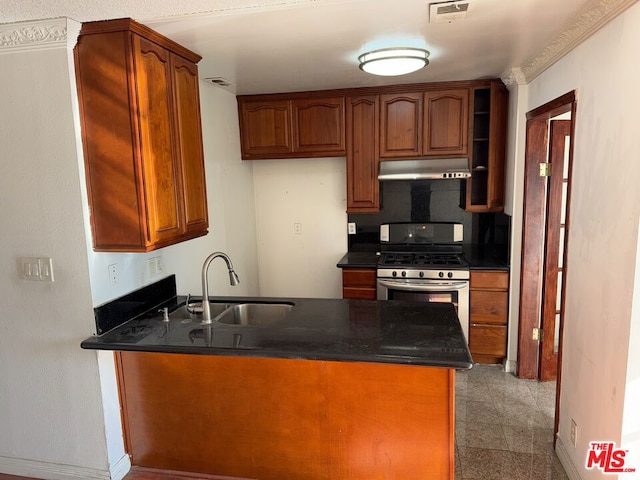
424, 169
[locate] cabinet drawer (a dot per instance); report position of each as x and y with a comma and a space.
359, 277
488, 340
489, 280
359, 293
488, 307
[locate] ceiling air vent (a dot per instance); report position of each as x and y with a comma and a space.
447, 12
222, 83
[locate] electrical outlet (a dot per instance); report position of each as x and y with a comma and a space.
351, 228
574, 433
297, 228
113, 274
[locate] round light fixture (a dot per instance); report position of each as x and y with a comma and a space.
394, 61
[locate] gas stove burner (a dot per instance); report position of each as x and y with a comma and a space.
422, 260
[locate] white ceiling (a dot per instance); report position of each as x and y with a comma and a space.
265, 46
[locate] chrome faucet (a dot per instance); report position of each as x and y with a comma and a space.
233, 279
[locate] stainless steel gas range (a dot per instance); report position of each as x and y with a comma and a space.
423, 262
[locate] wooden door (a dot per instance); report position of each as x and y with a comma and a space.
318, 125
552, 287
401, 125
265, 128
363, 188
162, 192
189, 144
446, 122
541, 248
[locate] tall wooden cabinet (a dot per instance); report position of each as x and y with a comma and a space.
142, 139
363, 187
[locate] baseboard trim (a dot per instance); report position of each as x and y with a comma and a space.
565, 460
120, 469
50, 471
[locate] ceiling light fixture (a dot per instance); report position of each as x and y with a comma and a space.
394, 61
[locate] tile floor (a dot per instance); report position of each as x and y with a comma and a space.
504, 427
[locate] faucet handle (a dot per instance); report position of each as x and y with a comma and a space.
165, 314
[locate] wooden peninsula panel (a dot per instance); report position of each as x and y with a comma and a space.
276, 419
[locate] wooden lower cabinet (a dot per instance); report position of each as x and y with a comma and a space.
488, 315
359, 283
274, 419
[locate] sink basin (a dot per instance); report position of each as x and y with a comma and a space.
254, 314
194, 311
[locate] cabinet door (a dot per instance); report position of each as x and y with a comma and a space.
265, 128
189, 144
162, 191
318, 126
446, 124
363, 188
401, 125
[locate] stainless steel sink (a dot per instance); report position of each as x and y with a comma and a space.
254, 314
193, 311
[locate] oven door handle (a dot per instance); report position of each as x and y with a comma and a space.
425, 287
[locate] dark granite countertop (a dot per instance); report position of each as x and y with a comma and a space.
359, 260
484, 258
423, 334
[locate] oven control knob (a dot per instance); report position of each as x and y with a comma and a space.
450, 274
441, 274
394, 274
421, 274
404, 274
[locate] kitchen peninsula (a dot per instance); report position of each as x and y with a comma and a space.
344, 389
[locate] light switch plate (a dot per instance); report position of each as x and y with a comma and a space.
36, 269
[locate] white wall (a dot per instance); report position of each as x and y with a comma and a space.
51, 412
514, 194
232, 214
311, 192
631, 417
603, 229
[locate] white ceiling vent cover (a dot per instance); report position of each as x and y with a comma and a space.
447, 12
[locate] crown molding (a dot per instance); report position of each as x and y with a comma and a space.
593, 16
39, 34
512, 77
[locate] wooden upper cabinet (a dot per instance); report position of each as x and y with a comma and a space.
446, 122
363, 188
153, 79
291, 127
318, 125
485, 188
190, 151
424, 124
265, 129
401, 125
142, 140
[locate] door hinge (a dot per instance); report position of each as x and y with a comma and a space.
545, 169
537, 334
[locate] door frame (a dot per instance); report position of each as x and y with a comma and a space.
533, 238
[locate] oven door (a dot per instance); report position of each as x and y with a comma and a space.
414, 290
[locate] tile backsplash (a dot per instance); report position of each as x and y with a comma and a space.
429, 201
